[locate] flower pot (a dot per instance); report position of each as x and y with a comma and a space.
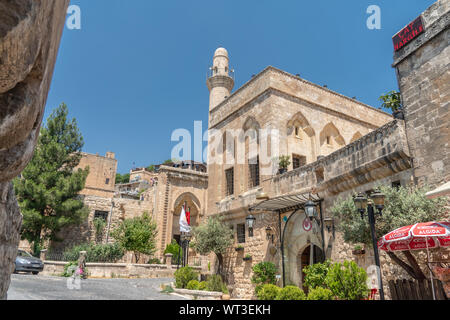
359, 252
282, 170
239, 249
247, 258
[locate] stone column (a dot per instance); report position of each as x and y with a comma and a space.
43, 255
168, 257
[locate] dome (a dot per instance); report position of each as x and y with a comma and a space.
221, 52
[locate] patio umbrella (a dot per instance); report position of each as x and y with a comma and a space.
420, 236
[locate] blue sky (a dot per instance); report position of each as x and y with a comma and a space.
136, 70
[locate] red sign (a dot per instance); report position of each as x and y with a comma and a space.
410, 32
307, 225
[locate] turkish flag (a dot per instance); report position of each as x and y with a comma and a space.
188, 217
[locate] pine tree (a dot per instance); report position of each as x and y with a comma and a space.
47, 189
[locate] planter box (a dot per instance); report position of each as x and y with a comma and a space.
247, 258
239, 249
359, 252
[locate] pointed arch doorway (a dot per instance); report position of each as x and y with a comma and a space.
302, 246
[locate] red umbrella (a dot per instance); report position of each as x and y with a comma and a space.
420, 236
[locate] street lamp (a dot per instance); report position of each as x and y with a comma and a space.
362, 203
269, 233
311, 210
250, 223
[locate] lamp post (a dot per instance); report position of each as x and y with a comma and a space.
185, 239
250, 223
363, 204
310, 209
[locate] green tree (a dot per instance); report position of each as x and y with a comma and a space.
137, 235
174, 249
403, 206
48, 187
213, 236
391, 101
122, 178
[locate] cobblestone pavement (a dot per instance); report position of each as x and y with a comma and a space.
30, 287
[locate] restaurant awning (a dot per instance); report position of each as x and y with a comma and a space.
285, 203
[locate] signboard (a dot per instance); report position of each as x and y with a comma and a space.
409, 33
307, 225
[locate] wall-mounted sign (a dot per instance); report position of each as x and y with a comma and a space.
307, 225
407, 34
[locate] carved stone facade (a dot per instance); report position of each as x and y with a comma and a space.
344, 147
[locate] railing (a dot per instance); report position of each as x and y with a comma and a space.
213, 72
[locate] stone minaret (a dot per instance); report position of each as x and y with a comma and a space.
219, 82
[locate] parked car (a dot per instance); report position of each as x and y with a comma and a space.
25, 262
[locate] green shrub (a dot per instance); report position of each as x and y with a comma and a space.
175, 250
95, 252
192, 285
347, 281
320, 294
264, 273
316, 274
268, 292
215, 283
69, 269
154, 261
291, 293
183, 276
202, 286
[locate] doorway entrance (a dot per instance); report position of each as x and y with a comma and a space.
310, 255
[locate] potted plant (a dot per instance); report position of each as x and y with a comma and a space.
239, 248
392, 101
283, 164
358, 250
248, 257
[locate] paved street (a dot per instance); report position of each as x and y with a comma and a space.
29, 287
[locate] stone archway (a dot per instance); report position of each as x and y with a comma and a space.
193, 205
300, 239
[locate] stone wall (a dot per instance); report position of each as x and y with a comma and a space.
116, 270
102, 174
277, 100
424, 79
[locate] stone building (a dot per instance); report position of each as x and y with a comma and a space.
160, 193
337, 146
